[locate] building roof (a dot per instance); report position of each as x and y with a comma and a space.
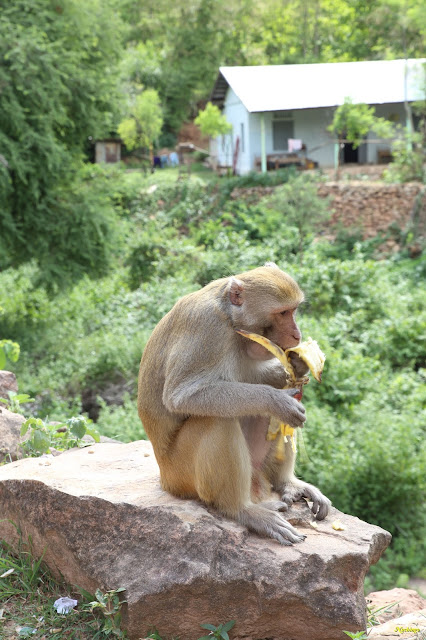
306, 86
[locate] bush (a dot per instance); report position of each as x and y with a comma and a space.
364, 432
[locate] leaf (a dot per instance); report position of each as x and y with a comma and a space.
210, 627
77, 427
24, 427
2, 358
228, 625
23, 397
92, 431
41, 441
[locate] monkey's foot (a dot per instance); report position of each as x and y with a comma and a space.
269, 523
294, 492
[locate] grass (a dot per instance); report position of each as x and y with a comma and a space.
27, 594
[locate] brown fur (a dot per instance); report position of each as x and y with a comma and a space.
206, 396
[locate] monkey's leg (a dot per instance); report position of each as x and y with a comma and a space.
210, 458
280, 474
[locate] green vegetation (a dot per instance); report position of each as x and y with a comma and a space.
211, 122
352, 122
143, 126
44, 436
177, 48
80, 348
58, 87
91, 258
27, 594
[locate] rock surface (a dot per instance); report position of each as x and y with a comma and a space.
397, 602
412, 626
10, 434
8, 383
103, 520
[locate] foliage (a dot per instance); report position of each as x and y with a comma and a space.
177, 49
9, 350
27, 592
364, 434
298, 205
221, 631
120, 422
14, 401
44, 436
211, 122
58, 88
109, 604
143, 126
354, 121
408, 158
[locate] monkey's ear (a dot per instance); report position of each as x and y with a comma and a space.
271, 264
235, 291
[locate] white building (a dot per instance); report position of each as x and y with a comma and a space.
268, 105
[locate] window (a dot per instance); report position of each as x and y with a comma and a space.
282, 130
242, 137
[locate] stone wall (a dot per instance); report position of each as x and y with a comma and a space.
373, 207
366, 206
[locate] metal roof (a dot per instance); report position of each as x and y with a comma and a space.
306, 86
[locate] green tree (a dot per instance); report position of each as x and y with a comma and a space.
211, 122
144, 124
57, 89
352, 122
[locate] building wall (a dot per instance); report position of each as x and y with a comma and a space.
237, 115
107, 151
310, 125
394, 112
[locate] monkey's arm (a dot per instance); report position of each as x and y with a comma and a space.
232, 399
273, 373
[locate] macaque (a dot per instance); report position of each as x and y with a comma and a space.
206, 397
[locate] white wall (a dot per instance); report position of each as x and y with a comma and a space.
396, 113
310, 125
237, 115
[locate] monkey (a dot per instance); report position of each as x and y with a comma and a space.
206, 396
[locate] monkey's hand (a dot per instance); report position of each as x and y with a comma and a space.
288, 409
296, 490
299, 366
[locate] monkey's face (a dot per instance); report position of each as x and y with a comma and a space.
265, 301
282, 330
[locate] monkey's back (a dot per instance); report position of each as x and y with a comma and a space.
177, 332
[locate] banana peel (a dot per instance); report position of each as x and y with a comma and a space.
311, 354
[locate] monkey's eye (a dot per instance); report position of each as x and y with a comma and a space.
283, 312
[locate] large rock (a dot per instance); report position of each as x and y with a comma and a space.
10, 434
394, 603
101, 517
411, 626
8, 383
